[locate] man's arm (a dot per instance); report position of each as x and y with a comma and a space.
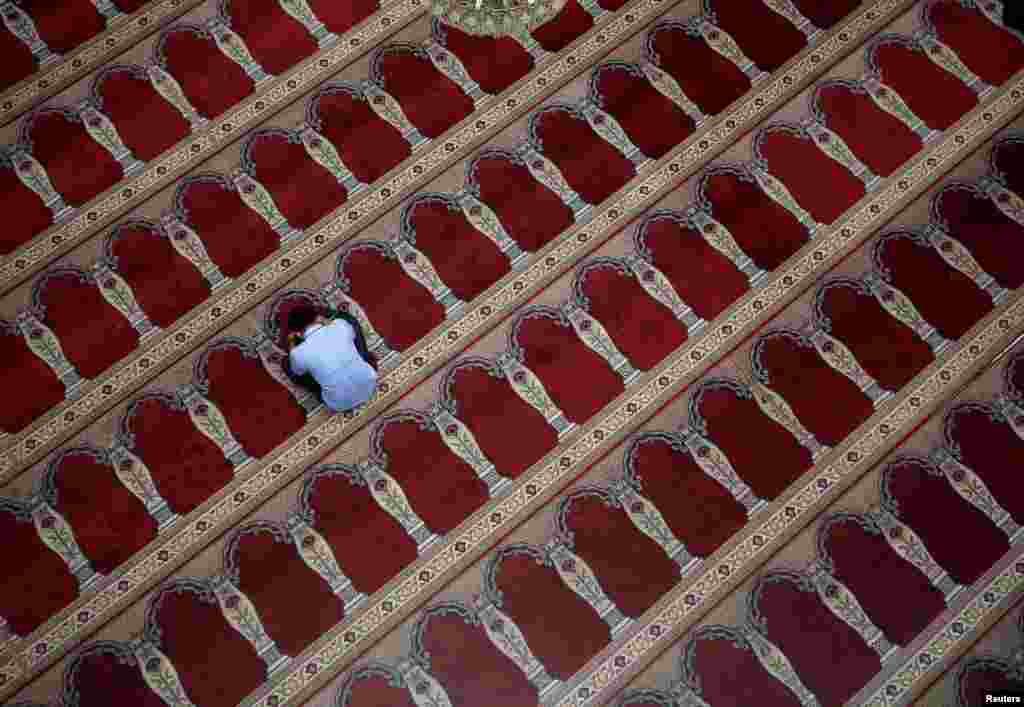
295, 363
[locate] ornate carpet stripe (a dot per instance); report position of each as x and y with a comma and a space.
270, 97
956, 635
883, 431
852, 458
750, 312
125, 31
45, 434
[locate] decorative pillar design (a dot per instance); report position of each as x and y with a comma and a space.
778, 193
170, 90
460, 440
300, 10
841, 602
1012, 412
103, 131
892, 103
685, 696
578, 576
596, 338
323, 152
257, 198
775, 406
899, 306
840, 359
532, 46
667, 86
944, 57
545, 172
419, 268
119, 295
33, 175
318, 556
787, 9
273, 362
423, 688
335, 293
593, 8
993, 10
909, 546
448, 64
778, 666
530, 388
508, 639
973, 490
719, 40
6, 634
134, 475
211, 422
159, 673
835, 147
718, 236
1010, 204
107, 9
56, 534
389, 495
244, 618
649, 521
20, 24
959, 257
713, 462
388, 109
483, 219
45, 344
611, 132
654, 283
232, 46
190, 246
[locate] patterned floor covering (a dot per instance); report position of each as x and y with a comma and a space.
697, 326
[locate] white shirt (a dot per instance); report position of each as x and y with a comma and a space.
329, 354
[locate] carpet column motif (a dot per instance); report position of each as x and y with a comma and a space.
209, 420
318, 556
242, 616
713, 462
190, 246
899, 306
258, 198
33, 175
21, 26
529, 387
702, 220
908, 545
134, 474
580, 578
233, 47
389, 495
44, 343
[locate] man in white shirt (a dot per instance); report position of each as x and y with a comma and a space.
334, 353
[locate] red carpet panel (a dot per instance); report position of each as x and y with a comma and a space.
992, 674
616, 549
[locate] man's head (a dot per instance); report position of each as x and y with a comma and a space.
300, 318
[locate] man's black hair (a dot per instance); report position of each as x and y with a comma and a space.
300, 318
1013, 14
